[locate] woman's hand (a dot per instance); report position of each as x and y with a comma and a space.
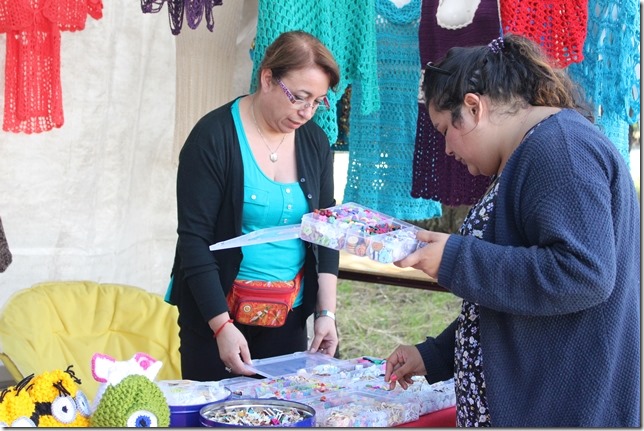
427, 259
233, 347
404, 363
325, 339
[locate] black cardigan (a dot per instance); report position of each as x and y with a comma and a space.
210, 185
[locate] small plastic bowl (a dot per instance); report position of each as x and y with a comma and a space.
211, 412
187, 415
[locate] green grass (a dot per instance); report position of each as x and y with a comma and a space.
373, 318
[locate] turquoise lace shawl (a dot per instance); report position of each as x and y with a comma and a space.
381, 144
346, 27
609, 73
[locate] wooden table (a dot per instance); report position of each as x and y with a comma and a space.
357, 268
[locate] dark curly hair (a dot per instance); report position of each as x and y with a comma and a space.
512, 71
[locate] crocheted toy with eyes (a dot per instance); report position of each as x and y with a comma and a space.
16, 406
128, 395
58, 400
51, 399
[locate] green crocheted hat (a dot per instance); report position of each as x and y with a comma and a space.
134, 402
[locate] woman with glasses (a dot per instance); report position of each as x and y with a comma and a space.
256, 162
547, 262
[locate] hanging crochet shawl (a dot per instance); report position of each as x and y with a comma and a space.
33, 95
346, 27
381, 144
559, 26
609, 73
435, 175
5, 254
193, 9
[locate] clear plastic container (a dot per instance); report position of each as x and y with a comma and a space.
356, 409
360, 231
297, 390
186, 398
299, 362
429, 398
242, 389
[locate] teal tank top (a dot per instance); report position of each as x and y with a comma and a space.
268, 203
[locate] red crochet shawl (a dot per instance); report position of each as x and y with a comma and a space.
559, 26
33, 95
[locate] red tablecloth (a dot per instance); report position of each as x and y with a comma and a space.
440, 419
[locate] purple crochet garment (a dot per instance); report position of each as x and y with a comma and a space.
435, 175
194, 10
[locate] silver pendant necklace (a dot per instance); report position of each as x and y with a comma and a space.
273, 155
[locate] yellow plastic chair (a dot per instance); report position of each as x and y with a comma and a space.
53, 325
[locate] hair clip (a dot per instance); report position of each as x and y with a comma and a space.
430, 66
496, 45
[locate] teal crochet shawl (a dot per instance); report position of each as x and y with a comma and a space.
381, 144
346, 27
609, 73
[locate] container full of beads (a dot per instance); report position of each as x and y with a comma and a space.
351, 227
242, 388
357, 409
360, 231
186, 398
428, 397
256, 412
294, 390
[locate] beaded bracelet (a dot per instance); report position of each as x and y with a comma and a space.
222, 327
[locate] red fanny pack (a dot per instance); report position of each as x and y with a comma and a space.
263, 303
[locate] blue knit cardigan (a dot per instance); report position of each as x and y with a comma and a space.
557, 277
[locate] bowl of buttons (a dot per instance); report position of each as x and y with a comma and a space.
257, 412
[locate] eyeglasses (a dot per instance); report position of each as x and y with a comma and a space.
301, 104
430, 66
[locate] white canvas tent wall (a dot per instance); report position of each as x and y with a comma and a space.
95, 199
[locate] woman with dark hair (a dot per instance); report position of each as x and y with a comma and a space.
257, 162
547, 262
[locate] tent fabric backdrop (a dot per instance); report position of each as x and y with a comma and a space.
206, 67
95, 199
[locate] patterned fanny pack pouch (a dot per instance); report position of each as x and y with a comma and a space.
263, 303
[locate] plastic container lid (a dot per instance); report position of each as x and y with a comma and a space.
187, 393
311, 363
